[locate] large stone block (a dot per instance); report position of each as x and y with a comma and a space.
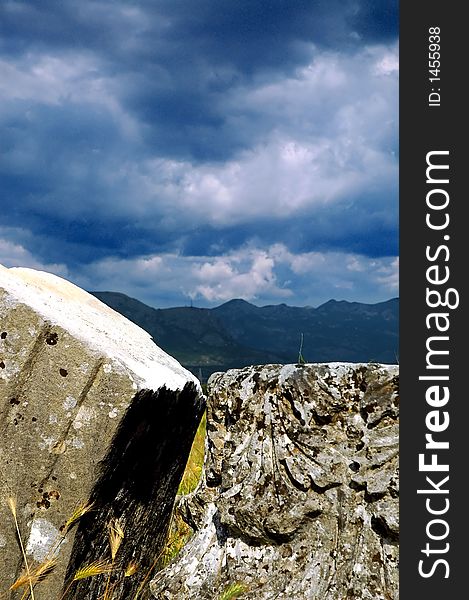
91, 410
299, 497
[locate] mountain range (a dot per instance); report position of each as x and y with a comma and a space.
238, 333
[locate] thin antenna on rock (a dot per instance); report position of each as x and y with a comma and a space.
301, 360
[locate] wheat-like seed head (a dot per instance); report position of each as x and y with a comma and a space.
116, 536
36, 575
233, 591
131, 569
11, 501
97, 567
79, 511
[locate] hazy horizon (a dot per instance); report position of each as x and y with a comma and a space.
195, 304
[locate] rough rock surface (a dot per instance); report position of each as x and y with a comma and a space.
90, 409
299, 498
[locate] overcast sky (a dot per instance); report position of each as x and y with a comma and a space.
204, 149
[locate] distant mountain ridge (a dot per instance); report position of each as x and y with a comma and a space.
238, 333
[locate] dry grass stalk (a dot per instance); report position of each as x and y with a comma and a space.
39, 573
116, 536
12, 505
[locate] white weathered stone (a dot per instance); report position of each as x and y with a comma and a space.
299, 497
102, 329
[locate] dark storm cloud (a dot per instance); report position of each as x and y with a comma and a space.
197, 129
250, 35
177, 59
